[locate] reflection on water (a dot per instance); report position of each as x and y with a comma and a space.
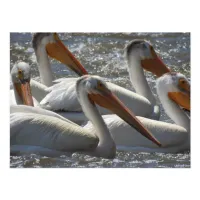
102, 54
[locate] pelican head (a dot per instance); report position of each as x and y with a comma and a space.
177, 88
20, 75
99, 93
144, 52
51, 43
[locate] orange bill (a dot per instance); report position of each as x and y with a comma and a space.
155, 65
60, 52
181, 99
24, 92
111, 102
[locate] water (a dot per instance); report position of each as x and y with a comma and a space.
102, 54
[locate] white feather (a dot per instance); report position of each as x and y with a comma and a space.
173, 138
49, 132
62, 96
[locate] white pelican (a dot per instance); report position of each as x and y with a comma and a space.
141, 55
51, 133
49, 44
62, 96
21, 92
174, 91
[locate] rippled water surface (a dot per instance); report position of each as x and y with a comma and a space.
102, 54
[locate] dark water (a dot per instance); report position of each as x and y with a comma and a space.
102, 54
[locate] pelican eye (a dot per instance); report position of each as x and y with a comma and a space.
100, 85
182, 81
183, 85
20, 74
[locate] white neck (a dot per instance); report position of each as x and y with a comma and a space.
44, 66
138, 79
173, 110
106, 146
